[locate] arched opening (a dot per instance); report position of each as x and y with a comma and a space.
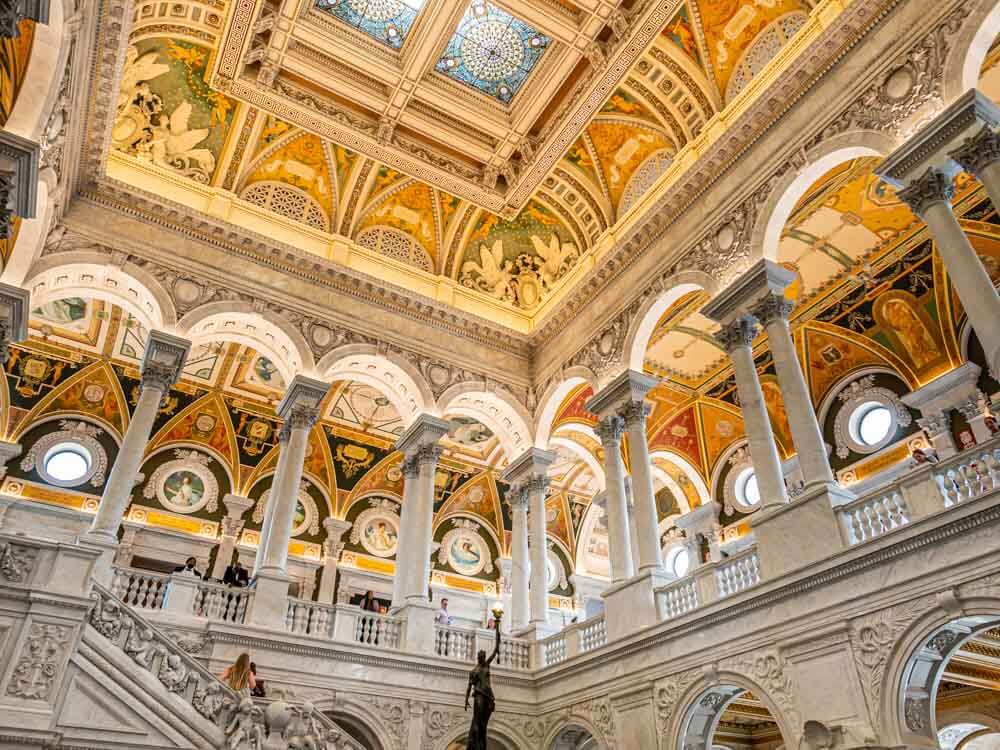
732, 716
494, 741
949, 686
574, 737
359, 730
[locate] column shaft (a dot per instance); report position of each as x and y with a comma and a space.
519, 558
284, 497
537, 487
609, 430
419, 566
231, 529
265, 527
736, 339
411, 473
647, 531
809, 444
118, 491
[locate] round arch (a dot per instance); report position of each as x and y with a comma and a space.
31, 235
498, 737
917, 662
358, 720
86, 273
579, 729
649, 313
552, 399
497, 409
820, 159
969, 49
585, 456
393, 376
706, 700
266, 333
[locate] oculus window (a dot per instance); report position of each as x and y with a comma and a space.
492, 51
389, 21
871, 424
67, 464
747, 491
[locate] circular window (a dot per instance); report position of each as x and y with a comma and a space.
678, 560
871, 424
747, 491
67, 464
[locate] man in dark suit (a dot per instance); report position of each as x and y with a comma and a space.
236, 575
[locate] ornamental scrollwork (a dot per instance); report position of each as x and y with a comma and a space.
184, 484
38, 665
82, 433
467, 532
16, 562
860, 392
667, 693
766, 668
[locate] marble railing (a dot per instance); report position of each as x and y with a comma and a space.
351, 624
679, 597
305, 617
554, 648
593, 634
283, 724
222, 603
462, 644
139, 588
970, 474
738, 573
873, 516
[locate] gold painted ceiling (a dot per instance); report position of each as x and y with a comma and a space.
304, 122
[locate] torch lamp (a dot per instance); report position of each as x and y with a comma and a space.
497, 613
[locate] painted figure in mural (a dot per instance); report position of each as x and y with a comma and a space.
482, 691
912, 332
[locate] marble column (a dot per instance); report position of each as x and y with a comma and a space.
929, 197
232, 527
411, 471
520, 603
529, 473
624, 397
333, 545
419, 445
161, 366
610, 430
772, 311
265, 527
922, 169
300, 410
736, 338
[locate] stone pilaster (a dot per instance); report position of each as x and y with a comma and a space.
333, 545
232, 527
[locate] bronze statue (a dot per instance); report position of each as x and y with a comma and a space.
483, 703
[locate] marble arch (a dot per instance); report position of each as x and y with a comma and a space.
267, 333
969, 50
706, 700
917, 661
31, 235
497, 409
553, 398
649, 313
765, 237
584, 455
500, 736
358, 716
83, 273
579, 723
392, 376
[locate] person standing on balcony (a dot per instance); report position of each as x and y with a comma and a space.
370, 603
189, 568
240, 677
441, 617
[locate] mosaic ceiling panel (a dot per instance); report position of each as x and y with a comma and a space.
389, 21
492, 51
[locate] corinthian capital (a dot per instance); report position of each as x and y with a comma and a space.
978, 151
411, 467
158, 376
610, 430
771, 308
301, 416
537, 483
428, 455
924, 191
741, 332
517, 496
635, 412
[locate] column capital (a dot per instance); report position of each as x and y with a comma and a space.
335, 528
517, 496
630, 386
19, 159
14, 12
425, 430
231, 527
14, 306
301, 401
163, 360
934, 423
933, 186
236, 505
428, 455
772, 307
610, 430
762, 278
635, 412
978, 151
534, 462
411, 467
738, 333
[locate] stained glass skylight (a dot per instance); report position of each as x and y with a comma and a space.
389, 21
492, 51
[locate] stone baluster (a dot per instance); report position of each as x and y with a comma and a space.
232, 527
299, 409
332, 547
161, 366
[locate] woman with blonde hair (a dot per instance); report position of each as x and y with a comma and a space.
239, 676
